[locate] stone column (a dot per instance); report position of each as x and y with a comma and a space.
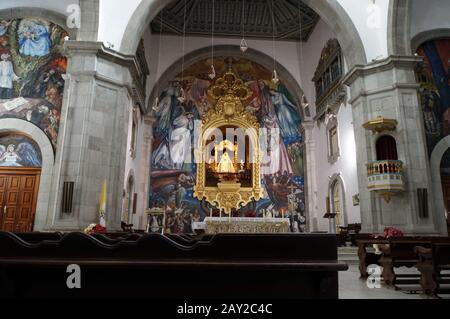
148, 145
311, 177
93, 136
388, 88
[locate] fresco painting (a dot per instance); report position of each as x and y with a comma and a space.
31, 73
19, 151
186, 100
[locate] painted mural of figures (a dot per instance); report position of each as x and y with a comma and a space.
4, 27
265, 98
4, 45
276, 158
34, 39
7, 77
165, 108
10, 158
17, 156
173, 152
180, 139
49, 79
287, 115
430, 114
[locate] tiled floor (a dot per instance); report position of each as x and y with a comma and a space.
351, 287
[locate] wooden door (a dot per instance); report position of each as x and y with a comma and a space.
18, 195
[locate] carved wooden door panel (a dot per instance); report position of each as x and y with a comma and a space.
18, 194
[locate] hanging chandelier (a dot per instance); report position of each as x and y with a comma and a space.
244, 45
212, 74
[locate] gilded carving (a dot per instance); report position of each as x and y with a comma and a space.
229, 92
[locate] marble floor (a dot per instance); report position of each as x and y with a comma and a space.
351, 287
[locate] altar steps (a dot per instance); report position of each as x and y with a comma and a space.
349, 255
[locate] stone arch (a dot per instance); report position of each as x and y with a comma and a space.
399, 35
436, 184
10, 125
429, 35
400, 40
231, 51
329, 10
27, 12
337, 179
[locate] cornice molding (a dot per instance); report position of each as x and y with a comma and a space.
98, 49
389, 63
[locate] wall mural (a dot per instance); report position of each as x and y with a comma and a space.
19, 151
31, 68
186, 100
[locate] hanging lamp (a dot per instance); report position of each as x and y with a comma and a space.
182, 97
244, 45
275, 78
212, 74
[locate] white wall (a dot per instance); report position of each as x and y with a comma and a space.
114, 17
346, 166
370, 19
138, 166
172, 51
429, 15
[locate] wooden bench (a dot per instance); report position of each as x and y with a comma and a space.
401, 253
367, 258
432, 262
266, 266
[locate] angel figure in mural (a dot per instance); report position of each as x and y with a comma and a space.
9, 156
174, 151
276, 158
7, 77
165, 108
24, 153
4, 27
34, 39
286, 111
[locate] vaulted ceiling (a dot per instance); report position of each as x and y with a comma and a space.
231, 15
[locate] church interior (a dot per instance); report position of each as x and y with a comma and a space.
197, 137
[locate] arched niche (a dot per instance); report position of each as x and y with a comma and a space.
23, 127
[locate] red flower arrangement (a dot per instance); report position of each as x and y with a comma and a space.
95, 229
390, 232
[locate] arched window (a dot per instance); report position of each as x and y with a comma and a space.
386, 148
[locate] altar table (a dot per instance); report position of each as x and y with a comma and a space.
224, 225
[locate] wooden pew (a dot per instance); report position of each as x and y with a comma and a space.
37, 237
266, 266
432, 262
401, 253
366, 258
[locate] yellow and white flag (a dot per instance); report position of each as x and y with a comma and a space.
103, 205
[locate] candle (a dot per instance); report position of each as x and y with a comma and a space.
210, 213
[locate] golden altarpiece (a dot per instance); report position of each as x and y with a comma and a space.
228, 169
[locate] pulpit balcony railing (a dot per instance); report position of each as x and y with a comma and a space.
386, 177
